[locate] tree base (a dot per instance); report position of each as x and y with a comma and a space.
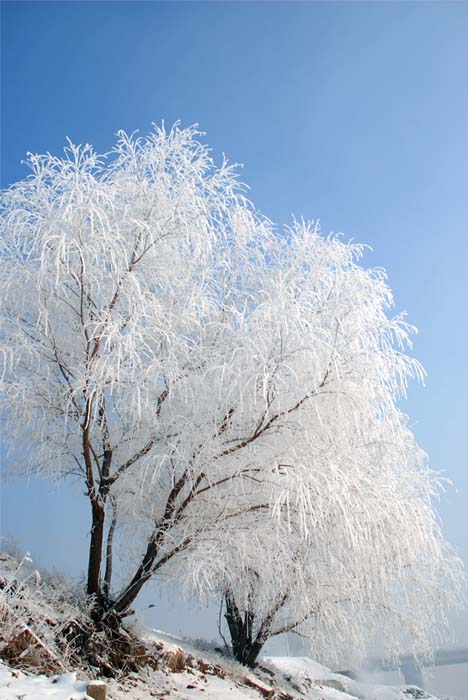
107, 648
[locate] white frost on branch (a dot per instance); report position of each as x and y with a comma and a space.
226, 391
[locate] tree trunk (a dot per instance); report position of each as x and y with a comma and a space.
244, 647
95, 551
146, 568
253, 653
142, 575
109, 551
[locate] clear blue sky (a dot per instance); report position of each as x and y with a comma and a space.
352, 112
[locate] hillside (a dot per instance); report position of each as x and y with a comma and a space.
40, 660
183, 675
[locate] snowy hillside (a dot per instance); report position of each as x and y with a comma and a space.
183, 674
39, 662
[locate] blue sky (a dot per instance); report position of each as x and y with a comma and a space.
351, 112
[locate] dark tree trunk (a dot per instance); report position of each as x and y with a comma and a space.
253, 653
245, 647
147, 566
98, 497
95, 551
142, 575
109, 551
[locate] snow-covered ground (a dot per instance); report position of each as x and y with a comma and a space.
184, 671
207, 676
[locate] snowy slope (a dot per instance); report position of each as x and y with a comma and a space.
15, 685
201, 676
38, 608
305, 674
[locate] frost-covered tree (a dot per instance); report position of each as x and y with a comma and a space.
197, 370
355, 545
372, 564
127, 283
